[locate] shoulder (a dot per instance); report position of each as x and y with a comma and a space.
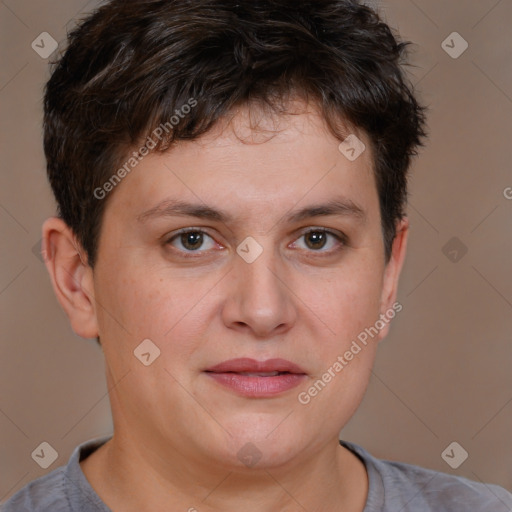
45, 493
430, 490
64, 489
399, 486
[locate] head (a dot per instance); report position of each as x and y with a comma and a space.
230, 118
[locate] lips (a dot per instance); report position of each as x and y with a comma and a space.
257, 379
247, 365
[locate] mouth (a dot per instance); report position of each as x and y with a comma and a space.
260, 374
257, 379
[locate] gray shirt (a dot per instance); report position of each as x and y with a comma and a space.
393, 487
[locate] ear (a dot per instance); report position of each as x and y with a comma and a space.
71, 276
388, 305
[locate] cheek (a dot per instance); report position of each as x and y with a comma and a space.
343, 347
345, 302
138, 305
132, 306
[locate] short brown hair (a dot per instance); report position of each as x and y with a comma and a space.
131, 63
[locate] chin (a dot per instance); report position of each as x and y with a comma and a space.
262, 445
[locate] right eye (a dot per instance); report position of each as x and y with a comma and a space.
190, 240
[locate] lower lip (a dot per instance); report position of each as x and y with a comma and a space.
258, 387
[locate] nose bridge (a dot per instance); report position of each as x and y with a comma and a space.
260, 299
260, 278
260, 283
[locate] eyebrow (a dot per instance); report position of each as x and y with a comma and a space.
173, 207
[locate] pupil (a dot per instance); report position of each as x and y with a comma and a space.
316, 236
192, 240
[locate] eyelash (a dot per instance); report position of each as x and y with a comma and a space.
340, 237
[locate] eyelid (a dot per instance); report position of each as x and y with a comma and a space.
338, 234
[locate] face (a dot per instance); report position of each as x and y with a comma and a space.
280, 269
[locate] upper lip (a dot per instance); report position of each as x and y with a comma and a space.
245, 364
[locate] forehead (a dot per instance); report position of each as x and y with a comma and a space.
254, 160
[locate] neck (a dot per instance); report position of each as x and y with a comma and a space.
132, 476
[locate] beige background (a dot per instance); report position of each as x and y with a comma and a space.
442, 375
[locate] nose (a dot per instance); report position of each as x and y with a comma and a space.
260, 299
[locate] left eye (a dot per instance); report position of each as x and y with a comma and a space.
317, 239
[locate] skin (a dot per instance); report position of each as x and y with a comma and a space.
177, 431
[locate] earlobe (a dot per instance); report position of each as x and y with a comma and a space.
71, 276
